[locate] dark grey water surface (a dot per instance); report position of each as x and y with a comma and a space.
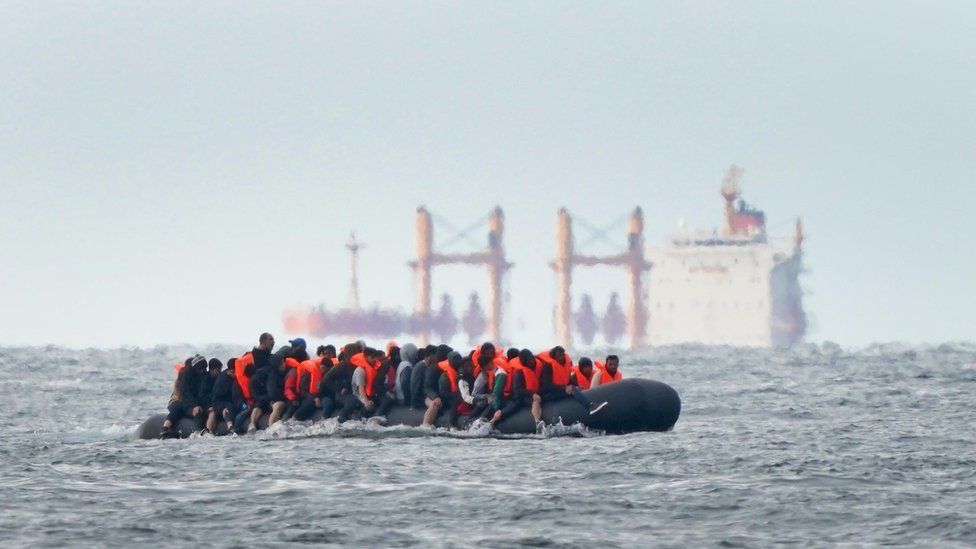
815, 446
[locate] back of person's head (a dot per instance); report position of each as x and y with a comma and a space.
442, 351
421, 353
231, 364
454, 359
393, 353
585, 362
511, 353
215, 364
487, 347
526, 358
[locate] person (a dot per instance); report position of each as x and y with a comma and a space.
278, 373
479, 358
262, 353
553, 368
468, 404
368, 387
260, 396
525, 385
205, 389
607, 372
310, 373
418, 375
582, 373
184, 402
408, 357
334, 390
224, 399
449, 389
431, 387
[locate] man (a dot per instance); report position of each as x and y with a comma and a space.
479, 357
554, 368
262, 353
184, 400
224, 399
278, 373
449, 387
467, 403
431, 387
259, 391
582, 373
408, 357
334, 390
418, 375
606, 372
369, 386
521, 389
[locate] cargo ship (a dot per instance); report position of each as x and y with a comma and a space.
735, 286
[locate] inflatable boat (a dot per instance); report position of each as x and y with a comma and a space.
633, 405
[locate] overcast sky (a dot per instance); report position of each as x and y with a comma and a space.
181, 172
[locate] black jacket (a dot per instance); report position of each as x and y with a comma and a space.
336, 380
546, 386
205, 390
259, 385
432, 379
223, 388
418, 374
262, 359
187, 388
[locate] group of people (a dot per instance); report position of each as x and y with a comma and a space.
487, 383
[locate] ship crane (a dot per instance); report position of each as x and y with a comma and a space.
492, 258
353, 246
632, 260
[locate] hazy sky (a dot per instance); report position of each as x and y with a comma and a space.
180, 172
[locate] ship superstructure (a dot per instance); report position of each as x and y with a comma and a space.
736, 287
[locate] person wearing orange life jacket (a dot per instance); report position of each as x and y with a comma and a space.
454, 386
184, 401
325, 398
368, 388
479, 357
606, 372
582, 373
468, 404
554, 370
310, 373
503, 403
524, 388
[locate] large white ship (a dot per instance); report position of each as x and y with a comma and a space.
737, 286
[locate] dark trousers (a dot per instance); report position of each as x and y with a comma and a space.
349, 405
328, 406
178, 411
559, 395
304, 408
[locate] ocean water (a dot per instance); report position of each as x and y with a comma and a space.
817, 446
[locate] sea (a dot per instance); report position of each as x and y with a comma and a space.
818, 446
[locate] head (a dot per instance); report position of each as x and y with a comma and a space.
485, 363
327, 351
278, 361
266, 342
586, 366
232, 365
442, 352
558, 353
511, 353
467, 368
214, 367
612, 363
297, 343
488, 349
526, 357
455, 360
199, 364
409, 353
350, 349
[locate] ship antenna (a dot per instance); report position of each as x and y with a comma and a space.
354, 246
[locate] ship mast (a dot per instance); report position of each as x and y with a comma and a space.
731, 192
353, 246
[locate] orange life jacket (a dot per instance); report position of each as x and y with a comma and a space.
243, 381
582, 381
179, 366
528, 373
292, 379
560, 371
605, 376
359, 360
445, 367
312, 368
501, 363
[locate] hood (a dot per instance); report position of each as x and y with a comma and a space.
408, 353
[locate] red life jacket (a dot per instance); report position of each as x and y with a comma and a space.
560, 371
243, 381
582, 381
528, 373
445, 367
292, 379
359, 360
179, 366
605, 377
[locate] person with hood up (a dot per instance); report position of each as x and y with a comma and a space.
408, 357
184, 402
